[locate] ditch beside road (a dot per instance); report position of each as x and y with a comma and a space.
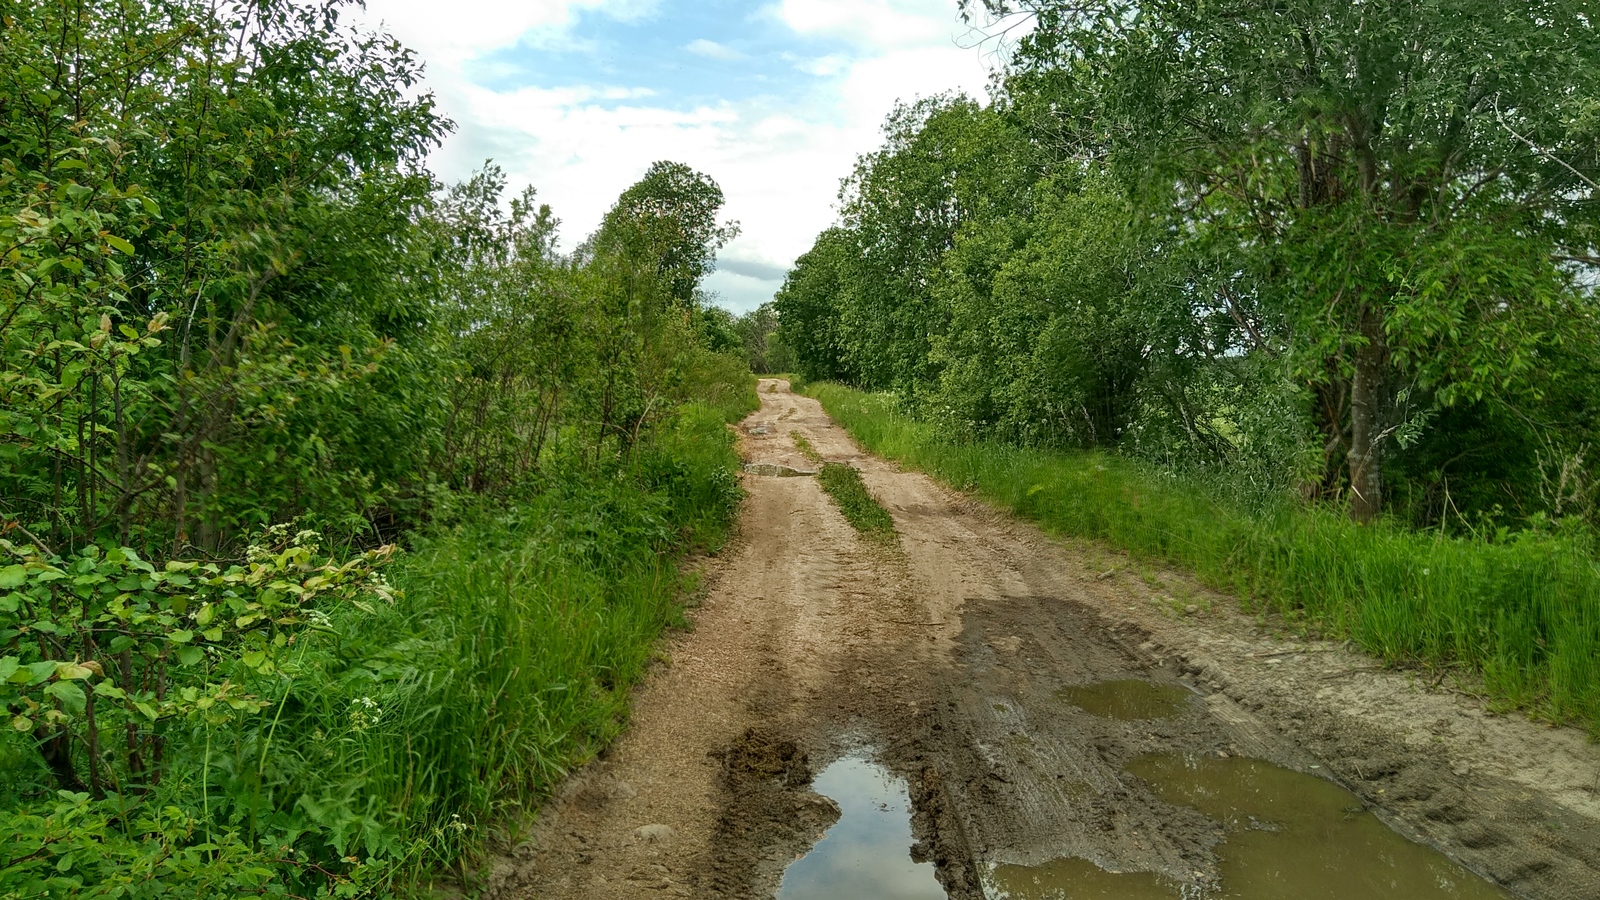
1056, 714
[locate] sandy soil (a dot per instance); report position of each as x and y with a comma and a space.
944, 655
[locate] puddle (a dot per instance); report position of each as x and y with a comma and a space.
1296, 835
1130, 699
1077, 879
775, 470
867, 853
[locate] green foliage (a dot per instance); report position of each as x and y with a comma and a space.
231, 297
862, 510
166, 202
1315, 244
765, 349
103, 649
1520, 610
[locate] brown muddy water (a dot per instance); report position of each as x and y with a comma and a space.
867, 853
1284, 834
1127, 699
1287, 835
1290, 834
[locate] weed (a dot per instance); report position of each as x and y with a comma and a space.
843, 484
804, 447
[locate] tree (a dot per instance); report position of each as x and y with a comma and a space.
1394, 190
668, 221
204, 217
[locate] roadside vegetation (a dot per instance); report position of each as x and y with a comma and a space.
1301, 296
339, 509
1522, 612
863, 511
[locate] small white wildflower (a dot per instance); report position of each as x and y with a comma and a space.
364, 713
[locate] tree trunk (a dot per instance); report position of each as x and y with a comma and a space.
1366, 422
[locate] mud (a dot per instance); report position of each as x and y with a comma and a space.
1015, 682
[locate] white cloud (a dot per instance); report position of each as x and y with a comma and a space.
779, 162
447, 33
712, 50
872, 23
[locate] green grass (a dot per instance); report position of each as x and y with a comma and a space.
860, 508
510, 659
804, 447
400, 737
1524, 613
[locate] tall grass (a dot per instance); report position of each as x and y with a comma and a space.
509, 658
398, 737
1524, 611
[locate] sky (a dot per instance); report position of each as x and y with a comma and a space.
774, 99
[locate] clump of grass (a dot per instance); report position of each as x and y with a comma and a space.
843, 484
804, 446
1523, 613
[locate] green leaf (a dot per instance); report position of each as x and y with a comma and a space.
13, 576
148, 710
36, 673
190, 655
181, 636
8, 667
107, 689
72, 671
69, 693
119, 244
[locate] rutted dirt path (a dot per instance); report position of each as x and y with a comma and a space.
945, 655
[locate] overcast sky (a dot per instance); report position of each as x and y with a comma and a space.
772, 99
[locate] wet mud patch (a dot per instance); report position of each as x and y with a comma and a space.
775, 470
769, 815
1061, 736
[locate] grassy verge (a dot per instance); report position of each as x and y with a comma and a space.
860, 508
1524, 613
395, 738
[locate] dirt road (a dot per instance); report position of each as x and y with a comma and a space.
960, 659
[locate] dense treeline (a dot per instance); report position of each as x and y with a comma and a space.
249, 343
1348, 249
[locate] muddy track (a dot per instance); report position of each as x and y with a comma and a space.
948, 657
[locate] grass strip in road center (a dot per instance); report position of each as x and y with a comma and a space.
843, 483
1522, 612
804, 447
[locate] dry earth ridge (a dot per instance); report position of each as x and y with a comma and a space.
944, 655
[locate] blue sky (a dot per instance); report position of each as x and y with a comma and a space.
773, 99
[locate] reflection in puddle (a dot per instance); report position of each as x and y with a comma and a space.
1130, 699
1296, 835
1078, 879
867, 853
